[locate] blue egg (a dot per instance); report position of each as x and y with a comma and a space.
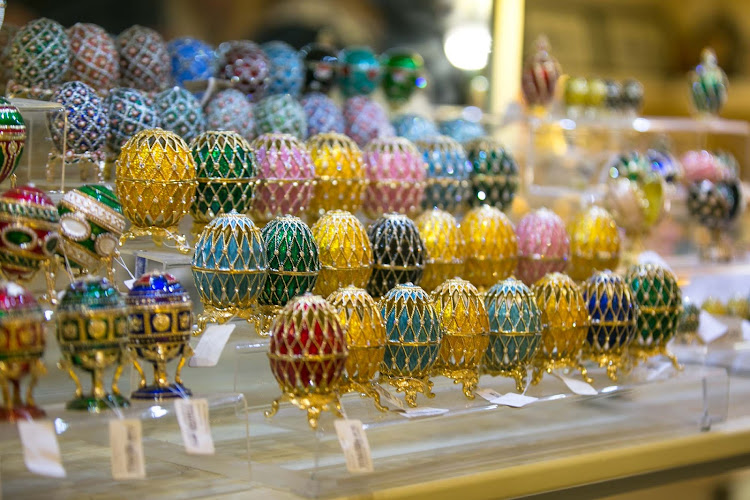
191, 59
448, 171
287, 74
612, 310
414, 127
462, 130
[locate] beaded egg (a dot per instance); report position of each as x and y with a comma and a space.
22, 341
540, 74
144, 59
613, 98
413, 335
613, 313
715, 306
596, 97
7, 33
365, 120
543, 245
29, 231
180, 112
594, 243
359, 71
307, 354
87, 120
444, 245
12, 138
160, 319
714, 205
708, 85
191, 59
339, 172
447, 173
229, 268
226, 174
92, 331
395, 174
287, 75
515, 330
462, 130
414, 127
320, 63
129, 112
323, 115
230, 110
665, 164
401, 74
281, 114
465, 323
398, 253
360, 318
494, 175
344, 250
155, 183
689, 322
632, 96
702, 165
575, 92
286, 176
245, 64
40, 53
738, 306
93, 57
491, 246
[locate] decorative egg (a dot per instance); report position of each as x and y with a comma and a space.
87, 120
414, 127
191, 59
401, 74
160, 318
230, 110
7, 33
708, 84
129, 112
635, 194
359, 71
398, 253
287, 75
515, 330
307, 354
395, 174
737, 306
594, 243
729, 163
597, 93
465, 332
491, 246
29, 231
144, 59
711, 204
540, 74
494, 176
413, 335
91, 223
320, 67
631, 98
40, 53
447, 173
613, 312
576, 91
226, 173
715, 306
613, 97
665, 165
281, 114
339, 171
345, 252
286, 176
246, 65
543, 245
12, 138
445, 247
293, 261
322, 114
93, 57
703, 166
462, 130
180, 112
689, 322
365, 120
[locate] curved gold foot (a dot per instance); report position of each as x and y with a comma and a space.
313, 415
274, 408
585, 374
537, 375
612, 372
520, 378
671, 357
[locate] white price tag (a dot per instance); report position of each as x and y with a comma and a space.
129, 283
710, 328
192, 416
488, 394
658, 370
127, 449
745, 329
41, 451
392, 401
210, 346
354, 444
424, 411
577, 386
514, 400
651, 257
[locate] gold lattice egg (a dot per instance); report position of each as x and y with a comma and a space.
491, 246
339, 171
445, 247
594, 243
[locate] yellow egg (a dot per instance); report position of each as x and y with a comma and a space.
491, 246
594, 243
339, 171
445, 247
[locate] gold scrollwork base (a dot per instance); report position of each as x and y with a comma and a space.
263, 318
467, 376
614, 362
542, 366
517, 373
410, 386
365, 389
158, 234
313, 404
641, 353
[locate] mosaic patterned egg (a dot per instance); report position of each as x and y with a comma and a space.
29, 231
323, 115
613, 98
632, 96
365, 120
447, 173
659, 300
462, 130
287, 74
293, 262
286, 175
144, 59
87, 119
339, 171
543, 245
401, 75
398, 253
445, 247
414, 127
703, 165
708, 85
540, 74
729, 162
40, 53
359, 71
12, 138
180, 112
689, 319
230, 110
247, 66
129, 111
91, 223
22, 334
665, 164
713, 204
395, 174
229, 264
494, 176
191, 59
93, 57
281, 114
491, 246
320, 63
7, 33
631, 165
345, 252
594, 243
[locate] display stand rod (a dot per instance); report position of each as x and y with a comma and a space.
507, 53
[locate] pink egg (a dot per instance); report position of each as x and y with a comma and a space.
702, 165
366, 120
396, 174
93, 57
543, 245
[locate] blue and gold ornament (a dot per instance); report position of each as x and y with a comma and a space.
86, 119
448, 169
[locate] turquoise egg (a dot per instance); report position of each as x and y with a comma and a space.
359, 71
448, 169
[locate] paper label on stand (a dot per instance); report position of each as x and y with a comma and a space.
651, 257
354, 444
514, 400
577, 386
127, 449
129, 283
389, 398
488, 394
423, 411
210, 346
658, 370
710, 328
41, 451
745, 329
192, 416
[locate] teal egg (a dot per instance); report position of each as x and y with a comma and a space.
359, 71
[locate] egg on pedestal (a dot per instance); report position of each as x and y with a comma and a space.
398, 253
444, 245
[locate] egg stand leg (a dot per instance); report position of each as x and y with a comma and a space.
274, 406
7, 401
49, 267
539, 370
584, 372
172, 233
187, 351
365, 390
118, 373
65, 365
137, 366
671, 357
519, 374
37, 370
612, 371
